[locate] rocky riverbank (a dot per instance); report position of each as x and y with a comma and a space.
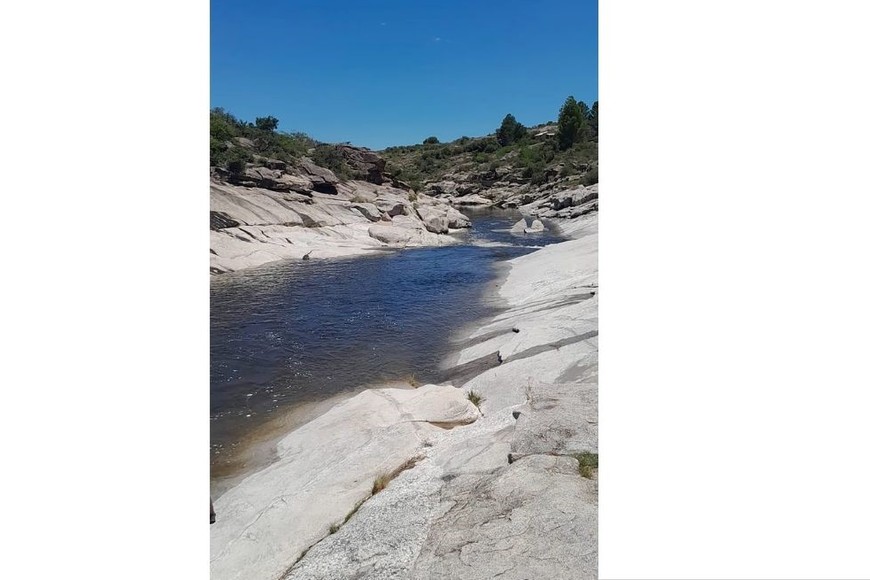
271, 210
492, 475
278, 196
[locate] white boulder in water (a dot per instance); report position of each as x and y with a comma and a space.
520, 226
537, 226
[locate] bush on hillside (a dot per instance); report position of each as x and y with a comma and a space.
269, 123
329, 157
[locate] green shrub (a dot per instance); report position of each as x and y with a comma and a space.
431, 141
329, 157
218, 155
586, 463
237, 166
236, 160
590, 177
269, 123
223, 125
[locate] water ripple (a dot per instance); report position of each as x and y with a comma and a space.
295, 330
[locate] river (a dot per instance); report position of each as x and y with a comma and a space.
289, 334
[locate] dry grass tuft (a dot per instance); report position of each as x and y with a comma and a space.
383, 479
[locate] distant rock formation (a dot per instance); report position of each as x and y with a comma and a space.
273, 210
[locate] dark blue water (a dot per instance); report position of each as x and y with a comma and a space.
298, 331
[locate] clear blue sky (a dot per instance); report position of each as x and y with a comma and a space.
389, 72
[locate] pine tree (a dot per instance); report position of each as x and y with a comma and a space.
593, 121
510, 131
573, 123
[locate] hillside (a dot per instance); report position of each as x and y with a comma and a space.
277, 195
512, 167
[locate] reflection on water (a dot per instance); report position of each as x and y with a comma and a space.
297, 331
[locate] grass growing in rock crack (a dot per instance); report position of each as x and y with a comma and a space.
334, 528
586, 463
475, 399
302, 555
383, 479
353, 511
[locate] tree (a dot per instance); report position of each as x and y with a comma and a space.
573, 123
269, 123
510, 131
593, 120
223, 125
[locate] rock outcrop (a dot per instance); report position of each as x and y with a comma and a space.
274, 211
495, 493
369, 165
535, 174
565, 204
324, 471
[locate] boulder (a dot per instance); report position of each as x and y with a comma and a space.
434, 219
474, 199
273, 179
536, 227
562, 201
442, 188
369, 210
391, 207
520, 226
323, 180
363, 195
437, 224
275, 164
392, 235
401, 185
364, 162
316, 172
590, 195
456, 219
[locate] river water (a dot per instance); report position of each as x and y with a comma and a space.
295, 332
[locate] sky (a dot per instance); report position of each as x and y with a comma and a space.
389, 72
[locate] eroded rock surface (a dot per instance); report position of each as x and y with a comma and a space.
272, 214
502, 497
323, 471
